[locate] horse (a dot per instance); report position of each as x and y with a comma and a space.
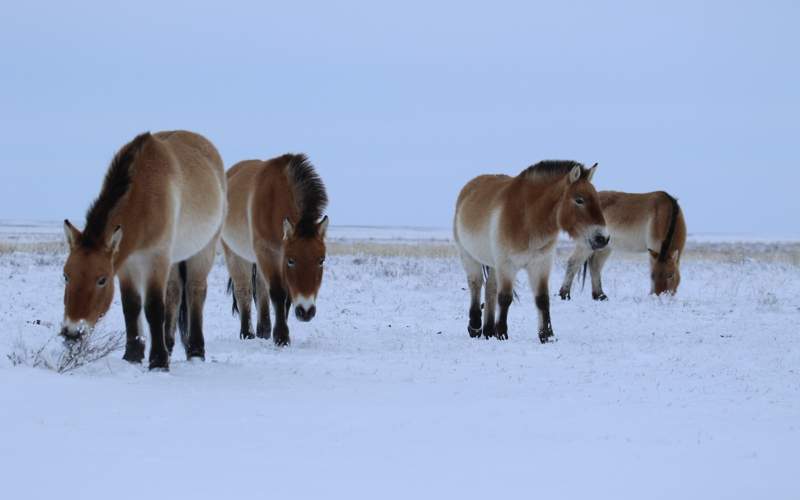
154, 226
648, 222
274, 241
504, 224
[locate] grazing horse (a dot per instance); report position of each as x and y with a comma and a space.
504, 224
155, 226
274, 241
651, 222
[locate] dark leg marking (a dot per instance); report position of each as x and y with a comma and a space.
504, 299
154, 312
546, 331
280, 333
132, 308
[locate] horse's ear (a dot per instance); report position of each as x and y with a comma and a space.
288, 229
322, 227
72, 234
652, 253
114, 240
591, 172
575, 174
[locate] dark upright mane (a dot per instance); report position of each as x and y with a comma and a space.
115, 185
309, 194
553, 168
663, 255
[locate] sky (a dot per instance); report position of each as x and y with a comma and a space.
399, 104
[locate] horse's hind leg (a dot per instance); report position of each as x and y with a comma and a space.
172, 304
596, 264
489, 328
576, 260
264, 325
196, 290
474, 272
505, 296
241, 273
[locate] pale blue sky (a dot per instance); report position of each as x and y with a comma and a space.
400, 104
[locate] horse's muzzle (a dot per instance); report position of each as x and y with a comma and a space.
599, 242
71, 335
305, 314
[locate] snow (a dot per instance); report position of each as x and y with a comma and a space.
384, 395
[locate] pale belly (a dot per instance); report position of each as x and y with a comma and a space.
632, 239
196, 230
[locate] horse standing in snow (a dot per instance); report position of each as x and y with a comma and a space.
274, 241
504, 224
155, 226
650, 222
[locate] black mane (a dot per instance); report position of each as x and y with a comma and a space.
663, 255
309, 194
115, 185
553, 168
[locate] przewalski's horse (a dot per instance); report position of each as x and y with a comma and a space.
651, 222
274, 224
505, 224
157, 220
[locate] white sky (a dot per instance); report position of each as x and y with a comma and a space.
399, 105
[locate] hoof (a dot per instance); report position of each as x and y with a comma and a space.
474, 332
502, 336
281, 337
196, 354
159, 362
263, 331
501, 332
565, 294
246, 336
546, 336
600, 297
159, 369
134, 351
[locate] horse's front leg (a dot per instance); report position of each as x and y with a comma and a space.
539, 275
279, 295
154, 311
132, 309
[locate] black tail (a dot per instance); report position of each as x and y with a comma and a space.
583, 275
253, 278
183, 310
673, 221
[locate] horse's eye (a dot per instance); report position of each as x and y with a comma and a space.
321, 261
66, 278
102, 281
670, 276
579, 200
290, 262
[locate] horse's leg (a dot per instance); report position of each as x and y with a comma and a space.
264, 326
505, 282
278, 293
596, 264
474, 272
539, 276
490, 300
197, 270
574, 264
172, 304
154, 311
241, 272
132, 309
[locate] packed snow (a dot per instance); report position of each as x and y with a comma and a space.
384, 395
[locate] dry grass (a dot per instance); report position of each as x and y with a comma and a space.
784, 253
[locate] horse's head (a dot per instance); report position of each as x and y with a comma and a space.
303, 261
665, 272
88, 281
579, 213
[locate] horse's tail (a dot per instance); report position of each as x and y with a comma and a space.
253, 278
583, 273
183, 310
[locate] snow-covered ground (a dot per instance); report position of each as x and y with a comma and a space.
384, 395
